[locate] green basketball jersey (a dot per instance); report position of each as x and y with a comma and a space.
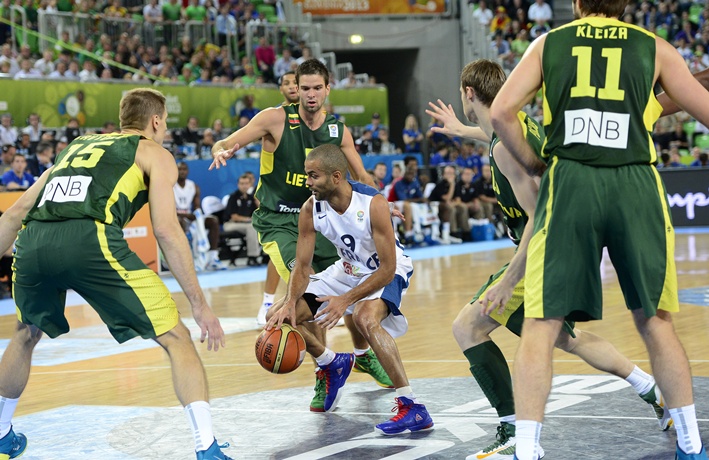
282, 186
599, 105
514, 215
95, 177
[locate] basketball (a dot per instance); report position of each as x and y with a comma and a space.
280, 350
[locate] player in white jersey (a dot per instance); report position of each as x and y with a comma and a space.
367, 281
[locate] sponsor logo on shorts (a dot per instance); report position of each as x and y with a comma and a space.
291, 264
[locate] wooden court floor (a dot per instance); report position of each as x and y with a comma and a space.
440, 286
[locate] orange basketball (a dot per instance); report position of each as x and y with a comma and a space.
280, 350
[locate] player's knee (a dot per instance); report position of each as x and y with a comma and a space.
567, 343
470, 328
364, 321
28, 336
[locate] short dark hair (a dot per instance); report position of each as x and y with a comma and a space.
312, 67
331, 158
280, 79
42, 146
408, 159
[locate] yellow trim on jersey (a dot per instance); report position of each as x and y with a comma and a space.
267, 159
521, 116
652, 112
274, 253
534, 287
129, 185
668, 299
147, 285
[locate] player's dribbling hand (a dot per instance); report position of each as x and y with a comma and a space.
285, 314
445, 114
328, 317
211, 329
220, 157
495, 299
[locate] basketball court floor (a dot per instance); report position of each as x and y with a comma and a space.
88, 397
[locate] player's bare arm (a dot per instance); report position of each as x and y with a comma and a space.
384, 242
521, 86
11, 220
526, 189
356, 167
266, 124
452, 126
669, 106
678, 82
300, 276
159, 165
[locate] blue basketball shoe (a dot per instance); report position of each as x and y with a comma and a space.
12, 445
336, 374
679, 455
214, 452
410, 417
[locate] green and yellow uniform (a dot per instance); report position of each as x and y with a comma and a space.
72, 238
601, 188
282, 191
515, 219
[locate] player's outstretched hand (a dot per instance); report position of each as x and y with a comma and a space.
221, 156
496, 298
211, 328
285, 314
446, 115
329, 316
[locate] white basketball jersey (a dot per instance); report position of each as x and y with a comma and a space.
351, 232
184, 196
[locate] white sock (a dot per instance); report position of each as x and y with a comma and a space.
508, 419
406, 392
200, 419
361, 351
640, 380
685, 419
409, 233
527, 435
446, 228
214, 254
7, 410
326, 358
268, 298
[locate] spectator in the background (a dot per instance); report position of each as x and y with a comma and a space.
225, 25
237, 217
385, 146
249, 77
684, 49
486, 194
265, 59
520, 44
501, 50
380, 174
283, 64
26, 70
375, 125
405, 191
678, 136
451, 214
701, 160
109, 127
538, 29
72, 130
24, 146
190, 133
8, 132
365, 143
350, 81
8, 153
469, 158
6, 55
540, 12
41, 160
676, 158
249, 111
17, 178
483, 14
195, 12
60, 145
218, 130
439, 156
465, 194
205, 147
45, 65
412, 135
501, 21
33, 128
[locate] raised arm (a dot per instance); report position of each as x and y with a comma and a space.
160, 167
452, 126
300, 276
264, 123
521, 86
